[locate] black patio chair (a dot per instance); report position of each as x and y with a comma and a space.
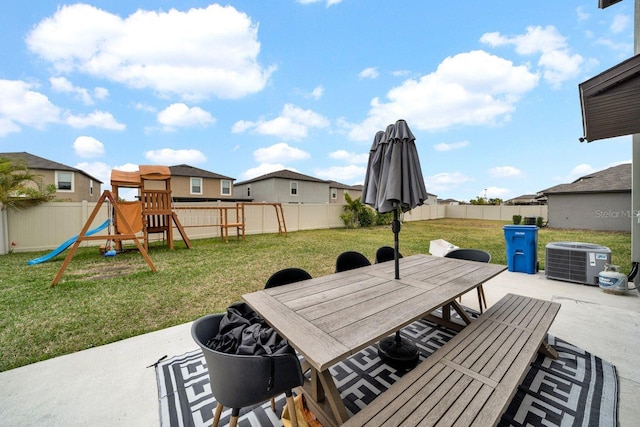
386, 253
349, 260
472, 255
238, 381
286, 276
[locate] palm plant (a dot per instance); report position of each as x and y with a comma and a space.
17, 189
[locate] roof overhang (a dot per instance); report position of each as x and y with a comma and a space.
603, 4
610, 102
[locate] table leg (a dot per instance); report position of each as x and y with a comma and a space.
463, 314
324, 399
333, 397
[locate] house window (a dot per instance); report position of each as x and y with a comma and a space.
334, 193
293, 188
196, 185
91, 187
248, 191
225, 187
64, 181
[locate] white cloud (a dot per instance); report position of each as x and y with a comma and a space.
169, 156
369, 73
443, 182
344, 174
505, 172
100, 119
472, 88
262, 169
443, 146
328, 2
347, 156
87, 146
582, 15
581, 170
100, 93
63, 85
558, 64
22, 106
280, 152
293, 123
98, 170
620, 23
141, 52
181, 115
316, 93
494, 192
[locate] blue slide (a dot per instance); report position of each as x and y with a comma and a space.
66, 244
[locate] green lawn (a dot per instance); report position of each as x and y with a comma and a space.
100, 300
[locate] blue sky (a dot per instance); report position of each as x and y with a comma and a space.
490, 89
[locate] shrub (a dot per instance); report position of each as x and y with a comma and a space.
384, 218
517, 219
539, 222
349, 219
366, 216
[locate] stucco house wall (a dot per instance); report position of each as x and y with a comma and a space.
591, 211
278, 190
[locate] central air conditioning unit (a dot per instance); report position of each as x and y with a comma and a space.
576, 262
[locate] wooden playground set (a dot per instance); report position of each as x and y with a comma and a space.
154, 213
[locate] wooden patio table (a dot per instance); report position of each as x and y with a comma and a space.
329, 318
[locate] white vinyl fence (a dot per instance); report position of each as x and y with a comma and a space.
46, 226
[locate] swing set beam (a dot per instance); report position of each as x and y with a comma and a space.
82, 237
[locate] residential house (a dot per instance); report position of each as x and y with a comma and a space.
284, 186
598, 201
448, 202
72, 184
525, 199
191, 184
337, 191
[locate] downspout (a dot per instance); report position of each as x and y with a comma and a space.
635, 174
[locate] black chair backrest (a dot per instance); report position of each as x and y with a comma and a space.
286, 276
469, 254
238, 381
349, 260
386, 253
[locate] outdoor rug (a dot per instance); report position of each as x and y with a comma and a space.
577, 389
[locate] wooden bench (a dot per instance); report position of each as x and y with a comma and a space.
471, 380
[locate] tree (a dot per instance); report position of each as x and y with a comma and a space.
15, 191
351, 211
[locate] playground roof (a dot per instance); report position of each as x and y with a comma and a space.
145, 172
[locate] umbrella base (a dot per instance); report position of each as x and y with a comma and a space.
399, 353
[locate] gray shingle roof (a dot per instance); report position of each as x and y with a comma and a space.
284, 174
186, 170
35, 162
613, 179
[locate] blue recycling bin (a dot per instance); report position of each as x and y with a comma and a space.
522, 248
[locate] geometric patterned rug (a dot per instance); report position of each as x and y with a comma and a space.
577, 389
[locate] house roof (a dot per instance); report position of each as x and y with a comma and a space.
284, 174
35, 162
186, 170
610, 101
614, 179
339, 185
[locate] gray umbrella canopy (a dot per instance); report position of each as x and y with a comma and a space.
394, 176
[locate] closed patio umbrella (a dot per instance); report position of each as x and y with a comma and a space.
394, 182
394, 177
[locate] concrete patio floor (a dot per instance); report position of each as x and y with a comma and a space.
112, 385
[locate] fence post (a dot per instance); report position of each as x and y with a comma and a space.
4, 231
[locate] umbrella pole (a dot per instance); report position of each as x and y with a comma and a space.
395, 227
